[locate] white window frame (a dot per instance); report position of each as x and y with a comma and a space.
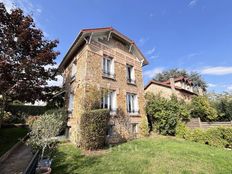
132, 104
109, 101
108, 66
134, 128
130, 76
71, 102
74, 70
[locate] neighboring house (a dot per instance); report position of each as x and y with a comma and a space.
181, 87
106, 59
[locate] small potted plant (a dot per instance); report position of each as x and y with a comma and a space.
43, 138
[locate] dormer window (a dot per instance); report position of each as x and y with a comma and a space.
108, 67
130, 74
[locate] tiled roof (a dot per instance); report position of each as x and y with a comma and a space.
168, 86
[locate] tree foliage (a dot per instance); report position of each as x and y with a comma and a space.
200, 107
45, 129
223, 104
25, 58
174, 73
165, 114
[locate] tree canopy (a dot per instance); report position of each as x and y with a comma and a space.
26, 58
174, 73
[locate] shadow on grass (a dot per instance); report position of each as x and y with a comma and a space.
73, 162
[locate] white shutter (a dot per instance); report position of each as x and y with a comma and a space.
114, 101
133, 73
127, 101
112, 67
136, 103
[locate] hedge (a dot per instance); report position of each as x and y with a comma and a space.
26, 110
93, 126
217, 136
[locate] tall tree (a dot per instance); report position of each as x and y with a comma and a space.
194, 76
25, 58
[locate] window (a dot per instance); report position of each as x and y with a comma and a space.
108, 67
71, 102
130, 74
132, 103
134, 128
109, 101
110, 130
74, 71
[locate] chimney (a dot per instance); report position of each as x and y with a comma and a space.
172, 84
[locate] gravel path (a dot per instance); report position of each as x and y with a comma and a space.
17, 161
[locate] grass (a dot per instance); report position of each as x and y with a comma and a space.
148, 155
9, 137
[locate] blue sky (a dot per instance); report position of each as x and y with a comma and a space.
195, 35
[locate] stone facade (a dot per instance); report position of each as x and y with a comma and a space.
88, 61
166, 90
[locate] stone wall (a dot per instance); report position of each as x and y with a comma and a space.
89, 72
197, 123
167, 92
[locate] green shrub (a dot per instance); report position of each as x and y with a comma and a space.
43, 132
93, 126
182, 131
166, 113
19, 110
144, 131
217, 136
200, 107
197, 135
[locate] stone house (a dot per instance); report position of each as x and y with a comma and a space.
181, 87
106, 59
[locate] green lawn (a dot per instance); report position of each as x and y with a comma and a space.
149, 155
10, 136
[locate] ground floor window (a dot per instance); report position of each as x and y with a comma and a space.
134, 128
110, 130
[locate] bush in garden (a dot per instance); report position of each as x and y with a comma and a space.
19, 109
93, 126
166, 113
217, 136
200, 107
144, 130
44, 130
182, 131
197, 135
223, 104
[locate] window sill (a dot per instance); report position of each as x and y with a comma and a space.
112, 113
110, 77
134, 114
73, 79
131, 83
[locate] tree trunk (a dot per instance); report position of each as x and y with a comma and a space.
3, 107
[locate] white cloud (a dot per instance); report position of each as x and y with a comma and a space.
151, 51
211, 85
25, 5
9, 4
151, 73
229, 88
217, 70
192, 3
58, 82
28, 8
